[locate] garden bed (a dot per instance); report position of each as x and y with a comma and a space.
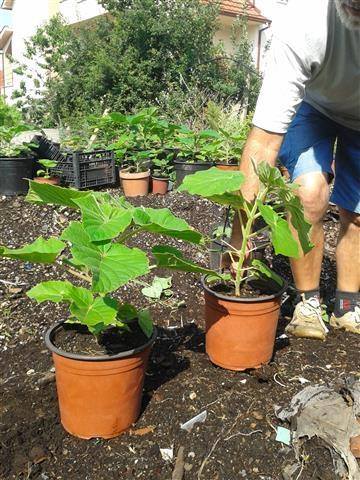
236, 441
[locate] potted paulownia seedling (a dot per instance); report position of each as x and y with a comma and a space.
44, 175
136, 176
101, 350
16, 161
242, 311
162, 171
196, 152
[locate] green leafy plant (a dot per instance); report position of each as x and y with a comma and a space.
198, 146
137, 161
162, 164
47, 164
97, 253
11, 125
275, 201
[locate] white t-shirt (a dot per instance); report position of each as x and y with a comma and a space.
315, 58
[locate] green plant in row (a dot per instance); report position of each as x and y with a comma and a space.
98, 254
275, 201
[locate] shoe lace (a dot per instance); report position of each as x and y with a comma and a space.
310, 307
355, 314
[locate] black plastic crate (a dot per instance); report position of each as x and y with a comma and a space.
47, 149
87, 170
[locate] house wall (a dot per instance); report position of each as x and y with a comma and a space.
75, 11
27, 17
225, 33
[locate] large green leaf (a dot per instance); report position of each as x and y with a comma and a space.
229, 199
44, 193
40, 251
301, 225
281, 237
286, 192
163, 222
103, 221
264, 271
112, 265
102, 310
52, 291
208, 183
170, 257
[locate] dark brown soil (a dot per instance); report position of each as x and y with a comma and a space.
237, 439
77, 339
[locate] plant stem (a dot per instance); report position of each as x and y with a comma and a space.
246, 231
80, 275
128, 234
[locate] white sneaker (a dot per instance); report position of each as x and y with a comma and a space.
307, 321
350, 321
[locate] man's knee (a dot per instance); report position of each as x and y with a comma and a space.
349, 220
314, 195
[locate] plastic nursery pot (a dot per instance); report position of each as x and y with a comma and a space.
240, 332
14, 173
160, 185
135, 184
226, 166
182, 168
99, 396
49, 181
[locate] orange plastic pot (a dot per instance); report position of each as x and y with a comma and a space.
160, 185
240, 332
99, 396
135, 184
225, 166
49, 181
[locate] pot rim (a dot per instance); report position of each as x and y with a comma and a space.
100, 358
229, 298
135, 175
226, 164
180, 161
163, 179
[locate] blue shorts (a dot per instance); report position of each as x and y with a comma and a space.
309, 147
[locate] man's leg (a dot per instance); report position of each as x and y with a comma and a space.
314, 195
348, 252
346, 195
307, 319
347, 301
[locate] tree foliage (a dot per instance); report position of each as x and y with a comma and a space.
143, 52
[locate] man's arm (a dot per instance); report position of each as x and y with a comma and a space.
260, 146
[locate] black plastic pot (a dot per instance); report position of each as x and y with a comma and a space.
183, 168
13, 175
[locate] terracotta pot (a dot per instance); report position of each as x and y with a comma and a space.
49, 181
240, 332
160, 185
99, 396
225, 166
135, 184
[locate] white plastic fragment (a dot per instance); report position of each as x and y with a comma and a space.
243, 381
30, 372
283, 435
167, 454
200, 418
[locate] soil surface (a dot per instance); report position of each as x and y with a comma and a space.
237, 438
